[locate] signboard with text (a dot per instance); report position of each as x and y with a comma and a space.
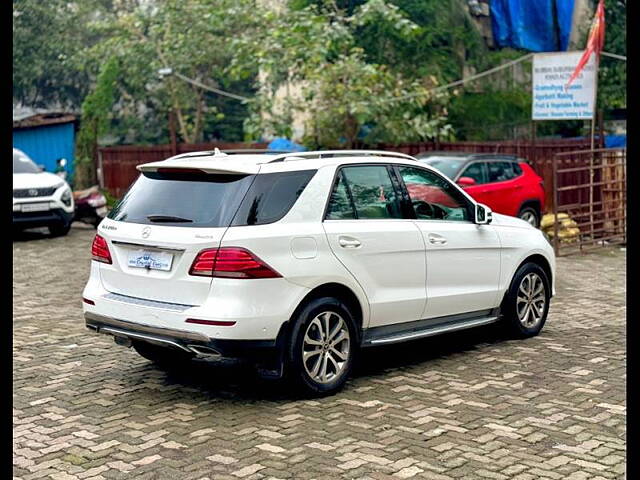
551, 101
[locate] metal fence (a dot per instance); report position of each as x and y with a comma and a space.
118, 164
590, 186
535, 151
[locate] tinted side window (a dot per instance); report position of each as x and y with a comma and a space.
477, 171
434, 198
500, 171
271, 196
517, 169
340, 206
372, 192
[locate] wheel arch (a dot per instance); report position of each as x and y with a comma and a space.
339, 291
543, 263
534, 203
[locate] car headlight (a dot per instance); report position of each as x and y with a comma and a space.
66, 197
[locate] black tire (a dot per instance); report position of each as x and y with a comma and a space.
301, 325
511, 305
59, 230
164, 357
530, 215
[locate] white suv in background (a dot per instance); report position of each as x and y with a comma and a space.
297, 261
40, 199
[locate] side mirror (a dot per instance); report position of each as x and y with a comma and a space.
483, 214
466, 181
63, 162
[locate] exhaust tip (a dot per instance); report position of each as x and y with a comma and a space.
121, 340
204, 351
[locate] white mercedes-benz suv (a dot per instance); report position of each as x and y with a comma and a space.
296, 261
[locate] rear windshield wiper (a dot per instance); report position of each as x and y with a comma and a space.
168, 218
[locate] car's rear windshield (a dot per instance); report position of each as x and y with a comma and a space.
449, 166
208, 200
23, 164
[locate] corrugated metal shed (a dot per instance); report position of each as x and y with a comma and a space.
45, 136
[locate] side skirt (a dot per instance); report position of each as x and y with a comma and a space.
402, 332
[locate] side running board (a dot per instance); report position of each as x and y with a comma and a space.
373, 339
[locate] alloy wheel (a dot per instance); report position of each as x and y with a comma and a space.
531, 300
325, 347
529, 217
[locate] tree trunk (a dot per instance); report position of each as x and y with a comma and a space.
351, 130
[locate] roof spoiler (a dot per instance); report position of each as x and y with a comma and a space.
220, 168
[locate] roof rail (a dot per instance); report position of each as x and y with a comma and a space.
338, 153
256, 150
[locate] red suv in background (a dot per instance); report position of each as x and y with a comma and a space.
504, 183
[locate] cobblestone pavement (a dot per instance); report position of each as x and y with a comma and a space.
467, 405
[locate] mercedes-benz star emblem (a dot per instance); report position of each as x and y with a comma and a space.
33, 192
146, 231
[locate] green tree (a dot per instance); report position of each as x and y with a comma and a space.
345, 97
192, 37
46, 39
416, 37
612, 79
94, 122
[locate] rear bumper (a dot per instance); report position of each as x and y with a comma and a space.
40, 219
195, 343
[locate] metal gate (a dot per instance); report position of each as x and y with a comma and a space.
591, 188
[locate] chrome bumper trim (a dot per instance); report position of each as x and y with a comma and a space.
101, 322
140, 336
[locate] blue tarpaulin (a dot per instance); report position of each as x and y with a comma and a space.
536, 25
610, 141
285, 145
615, 141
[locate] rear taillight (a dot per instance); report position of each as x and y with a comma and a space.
234, 262
203, 264
231, 262
100, 250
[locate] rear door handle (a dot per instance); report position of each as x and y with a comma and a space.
349, 242
435, 239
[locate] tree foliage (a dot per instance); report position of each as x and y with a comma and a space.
191, 38
95, 120
47, 36
310, 62
612, 79
354, 70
